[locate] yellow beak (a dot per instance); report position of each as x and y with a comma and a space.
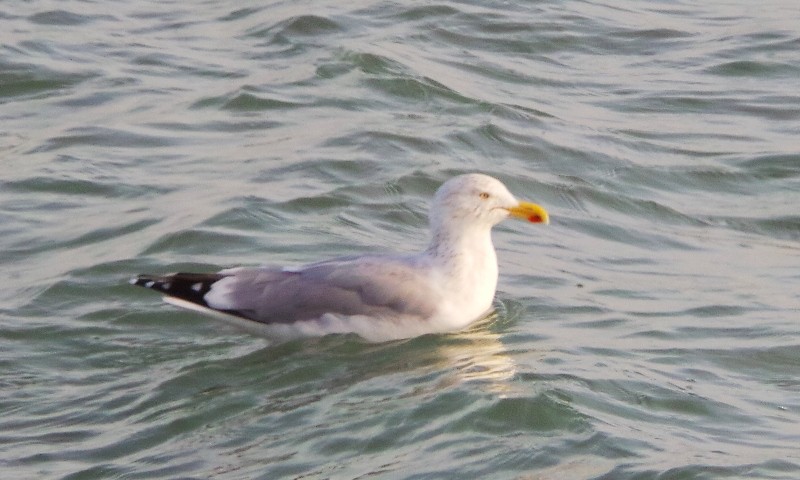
530, 212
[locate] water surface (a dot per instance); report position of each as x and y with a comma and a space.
651, 331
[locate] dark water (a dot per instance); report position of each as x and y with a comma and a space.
652, 331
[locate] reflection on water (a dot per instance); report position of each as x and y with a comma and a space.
478, 355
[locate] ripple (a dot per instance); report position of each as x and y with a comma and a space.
64, 18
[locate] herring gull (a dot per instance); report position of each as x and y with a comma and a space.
378, 297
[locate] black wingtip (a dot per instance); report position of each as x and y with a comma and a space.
187, 286
146, 281
160, 283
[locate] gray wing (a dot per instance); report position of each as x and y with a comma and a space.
373, 286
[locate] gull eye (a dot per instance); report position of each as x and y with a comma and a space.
483, 195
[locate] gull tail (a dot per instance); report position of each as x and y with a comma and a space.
187, 290
190, 287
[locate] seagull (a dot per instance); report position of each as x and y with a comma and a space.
380, 297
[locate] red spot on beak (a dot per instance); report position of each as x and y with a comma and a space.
535, 219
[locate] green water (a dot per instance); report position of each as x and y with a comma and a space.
651, 331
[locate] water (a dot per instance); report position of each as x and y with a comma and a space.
651, 331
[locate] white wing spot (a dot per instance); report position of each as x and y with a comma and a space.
166, 285
197, 287
149, 284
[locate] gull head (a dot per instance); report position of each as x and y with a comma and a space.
480, 201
